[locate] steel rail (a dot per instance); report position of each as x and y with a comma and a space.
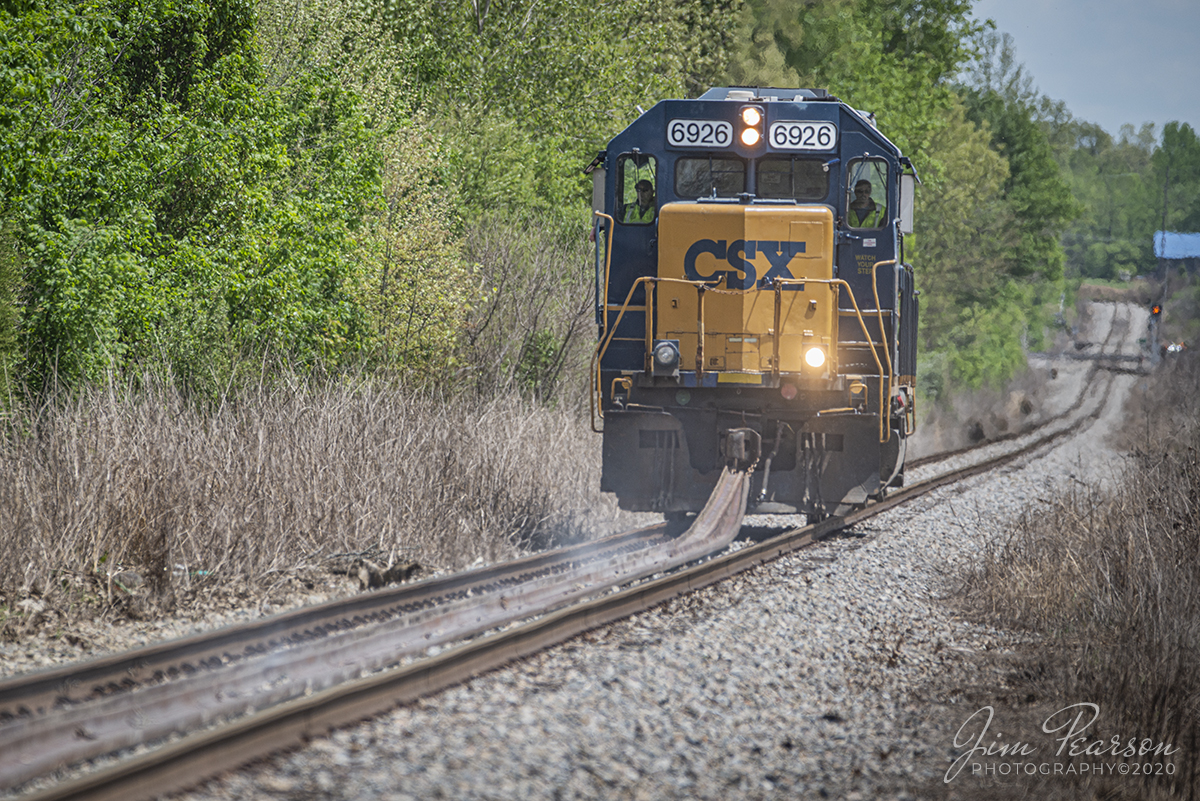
400, 622
30, 748
38, 693
197, 757
183, 763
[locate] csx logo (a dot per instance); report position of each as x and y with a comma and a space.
740, 255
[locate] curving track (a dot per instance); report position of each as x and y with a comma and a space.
45, 731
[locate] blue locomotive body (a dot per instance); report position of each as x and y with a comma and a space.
753, 302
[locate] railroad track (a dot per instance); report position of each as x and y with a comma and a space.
40, 693
303, 669
63, 716
1102, 360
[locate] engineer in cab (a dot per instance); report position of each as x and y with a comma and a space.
644, 210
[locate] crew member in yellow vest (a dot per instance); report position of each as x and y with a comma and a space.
863, 211
645, 209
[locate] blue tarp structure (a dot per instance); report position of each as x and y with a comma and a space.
1170, 245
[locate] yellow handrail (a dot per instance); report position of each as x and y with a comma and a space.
701, 288
606, 338
883, 433
910, 410
887, 353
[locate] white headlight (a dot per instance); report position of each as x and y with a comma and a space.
815, 357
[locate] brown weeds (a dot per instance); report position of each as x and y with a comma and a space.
1113, 581
123, 479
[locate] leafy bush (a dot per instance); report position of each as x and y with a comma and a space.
1109, 259
170, 206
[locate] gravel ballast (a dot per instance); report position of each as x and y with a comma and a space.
839, 673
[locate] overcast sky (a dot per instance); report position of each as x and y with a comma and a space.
1111, 61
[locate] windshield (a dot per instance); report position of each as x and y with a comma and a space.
709, 176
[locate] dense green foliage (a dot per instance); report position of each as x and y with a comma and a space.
1037, 194
524, 93
1176, 167
184, 183
169, 204
1110, 178
1132, 188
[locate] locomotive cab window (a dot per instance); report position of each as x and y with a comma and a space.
709, 176
637, 182
866, 193
796, 178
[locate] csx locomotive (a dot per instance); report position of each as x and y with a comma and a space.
753, 303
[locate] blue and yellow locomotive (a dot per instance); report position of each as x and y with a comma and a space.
753, 303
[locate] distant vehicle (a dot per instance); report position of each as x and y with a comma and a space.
753, 303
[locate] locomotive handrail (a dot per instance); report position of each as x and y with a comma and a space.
595, 403
606, 337
910, 409
886, 350
884, 434
603, 302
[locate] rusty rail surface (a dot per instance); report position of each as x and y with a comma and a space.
1025, 431
31, 747
42, 691
315, 710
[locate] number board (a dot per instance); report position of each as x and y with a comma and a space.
803, 135
700, 133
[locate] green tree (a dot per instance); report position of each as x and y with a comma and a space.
767, 31
1000, 97
410, 280
1176, 173
940, 33
165, 203
966, 231
1035, 189
526, 92
1110, 178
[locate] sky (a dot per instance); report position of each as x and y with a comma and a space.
1111, 61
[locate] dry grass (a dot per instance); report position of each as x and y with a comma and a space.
118, 478
1113, 582
1141, 292
275, 484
